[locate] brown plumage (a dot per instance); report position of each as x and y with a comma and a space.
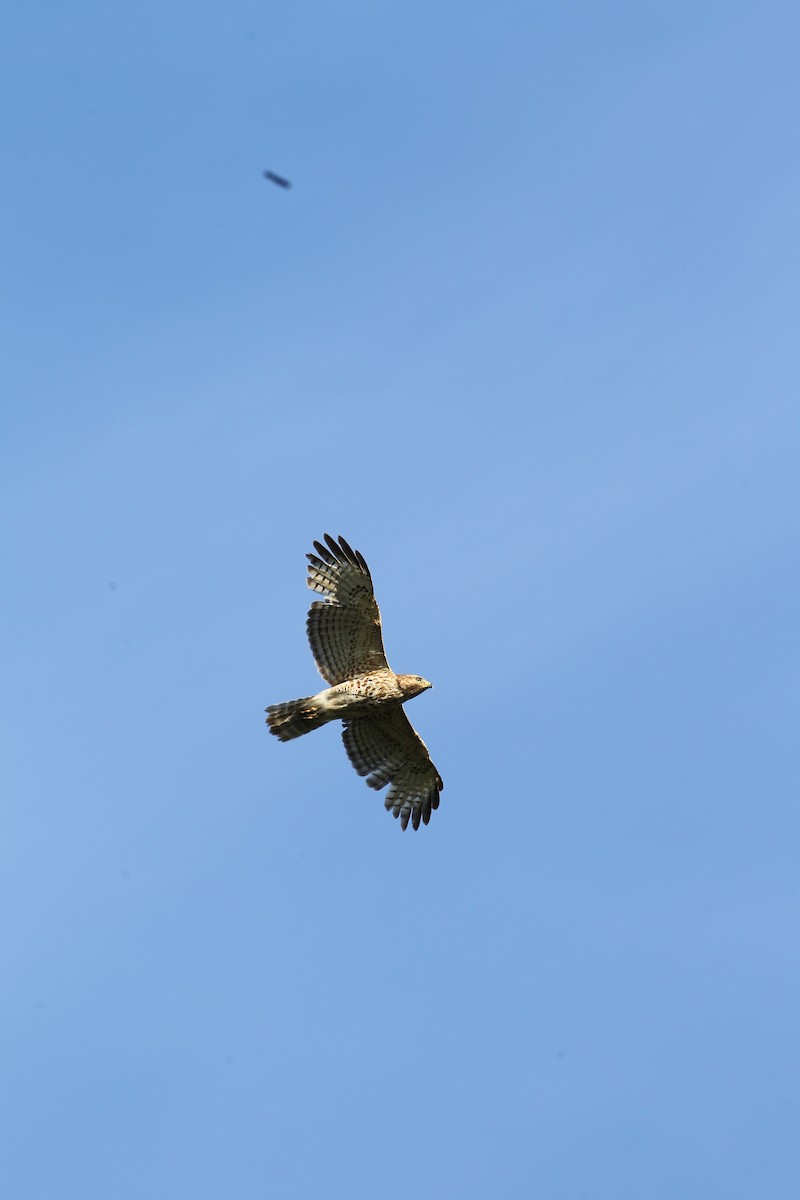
344, 630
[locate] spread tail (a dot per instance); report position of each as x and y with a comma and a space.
294, 718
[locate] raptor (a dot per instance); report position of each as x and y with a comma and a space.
365, 694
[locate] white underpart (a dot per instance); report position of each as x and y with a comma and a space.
331, 701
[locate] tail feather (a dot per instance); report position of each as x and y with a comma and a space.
294, 718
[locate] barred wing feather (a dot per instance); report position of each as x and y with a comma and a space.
344, 629
387, 749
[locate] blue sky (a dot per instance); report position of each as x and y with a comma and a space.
524, 331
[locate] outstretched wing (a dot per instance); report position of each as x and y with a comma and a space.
344, 629
387, 749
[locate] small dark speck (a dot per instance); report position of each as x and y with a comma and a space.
125, 874
229, 1060
561, 1055
278, 179
113, 585
39, 1005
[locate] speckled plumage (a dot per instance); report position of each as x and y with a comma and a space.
344, 631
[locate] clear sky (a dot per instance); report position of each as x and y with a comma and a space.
525, 331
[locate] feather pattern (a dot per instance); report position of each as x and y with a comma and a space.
385, 747
344, 629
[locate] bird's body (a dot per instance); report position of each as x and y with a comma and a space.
365, 693
352, 698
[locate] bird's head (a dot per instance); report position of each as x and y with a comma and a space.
412, 685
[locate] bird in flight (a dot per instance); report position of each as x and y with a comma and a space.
344, 629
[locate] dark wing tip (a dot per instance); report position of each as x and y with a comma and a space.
324, 552
336, 550
351, 554
340, 552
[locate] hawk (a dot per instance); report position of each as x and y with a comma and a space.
344, 630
